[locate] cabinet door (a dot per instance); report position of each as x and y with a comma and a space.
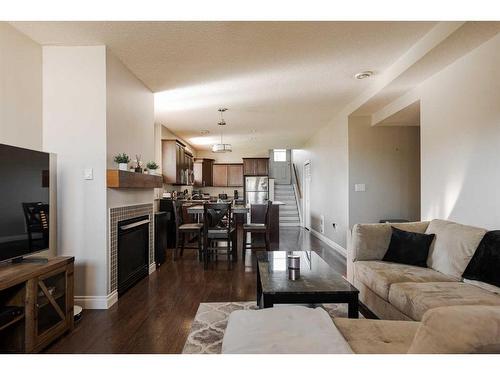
208, 172
249, 167
235, 175
198, 174
262, 167
219, 175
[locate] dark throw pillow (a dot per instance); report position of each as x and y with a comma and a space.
485, 263
408, 248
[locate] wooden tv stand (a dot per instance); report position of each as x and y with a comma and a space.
44, 294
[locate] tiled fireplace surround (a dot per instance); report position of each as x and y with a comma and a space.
116, 215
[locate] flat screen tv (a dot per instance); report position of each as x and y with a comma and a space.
24, 202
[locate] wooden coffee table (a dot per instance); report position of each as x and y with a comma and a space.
318, 282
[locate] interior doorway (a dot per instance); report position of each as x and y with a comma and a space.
307, 195
280, 166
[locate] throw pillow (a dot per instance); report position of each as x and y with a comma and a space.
485, 263
408, 248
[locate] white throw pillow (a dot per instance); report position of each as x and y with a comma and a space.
453, 246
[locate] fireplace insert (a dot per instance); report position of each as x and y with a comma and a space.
133, 251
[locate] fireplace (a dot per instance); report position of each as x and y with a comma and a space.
133, 251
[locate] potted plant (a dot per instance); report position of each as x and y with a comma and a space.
122, 160
152, 167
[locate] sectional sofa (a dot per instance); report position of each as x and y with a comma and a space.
402, 292
422, 309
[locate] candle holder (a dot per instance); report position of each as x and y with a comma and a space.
293, 265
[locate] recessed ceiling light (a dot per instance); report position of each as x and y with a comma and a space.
363, 75
205, 132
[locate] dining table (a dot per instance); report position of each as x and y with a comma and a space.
242, 214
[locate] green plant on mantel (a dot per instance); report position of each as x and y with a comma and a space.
152, 165
122, 158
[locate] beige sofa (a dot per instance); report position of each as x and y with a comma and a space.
401, 292
302, 330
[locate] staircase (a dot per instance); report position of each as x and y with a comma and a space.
289, 214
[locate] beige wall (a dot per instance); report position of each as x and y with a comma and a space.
74, 127
327, 152
20, 89
129, 126
460, 124
387, 160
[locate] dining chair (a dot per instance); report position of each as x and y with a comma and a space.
259, 228
182, 228
219, 232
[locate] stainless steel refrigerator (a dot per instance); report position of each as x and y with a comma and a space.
256, 189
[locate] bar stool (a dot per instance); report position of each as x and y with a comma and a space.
218, 227
182, 228
259, 228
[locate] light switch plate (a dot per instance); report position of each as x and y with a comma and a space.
88, 174
359, 187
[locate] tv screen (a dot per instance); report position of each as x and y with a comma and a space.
24, 201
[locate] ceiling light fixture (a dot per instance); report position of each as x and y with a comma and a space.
222, 147
363, 75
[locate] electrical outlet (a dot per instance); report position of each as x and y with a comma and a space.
359, 187
322, 224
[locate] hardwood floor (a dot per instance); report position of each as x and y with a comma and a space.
155, 315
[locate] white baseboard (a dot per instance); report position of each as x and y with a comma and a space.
339, 249
152, 268
97, 302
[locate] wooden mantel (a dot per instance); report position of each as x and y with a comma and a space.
117, 179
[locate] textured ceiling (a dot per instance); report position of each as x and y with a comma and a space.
280, 80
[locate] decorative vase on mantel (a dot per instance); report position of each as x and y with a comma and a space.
123, 166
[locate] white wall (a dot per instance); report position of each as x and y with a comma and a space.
129, 126
74, 119
20, 89
327, 152
460, 125
387, 160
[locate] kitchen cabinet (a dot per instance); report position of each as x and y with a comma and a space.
202, 169
256, 166
219, 175
235, 175
225, 175
177, 163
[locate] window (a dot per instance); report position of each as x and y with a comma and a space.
279, 155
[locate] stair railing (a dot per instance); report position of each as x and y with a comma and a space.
297, 191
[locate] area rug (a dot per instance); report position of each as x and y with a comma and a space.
210, 323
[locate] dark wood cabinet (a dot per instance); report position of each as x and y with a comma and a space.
177, 163
228, 175
202, 169
235, 175
256, 166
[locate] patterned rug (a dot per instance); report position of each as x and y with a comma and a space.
210, 323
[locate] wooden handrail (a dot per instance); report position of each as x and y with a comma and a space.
297, 181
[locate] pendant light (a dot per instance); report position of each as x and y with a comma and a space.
222, 147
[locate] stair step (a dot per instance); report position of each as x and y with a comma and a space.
289, 213
289, 218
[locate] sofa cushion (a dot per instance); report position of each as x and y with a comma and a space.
453, 246
414, 299
368, 336
286, 329
408, 248
476, 329
370, 241
485, 263
379, 275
